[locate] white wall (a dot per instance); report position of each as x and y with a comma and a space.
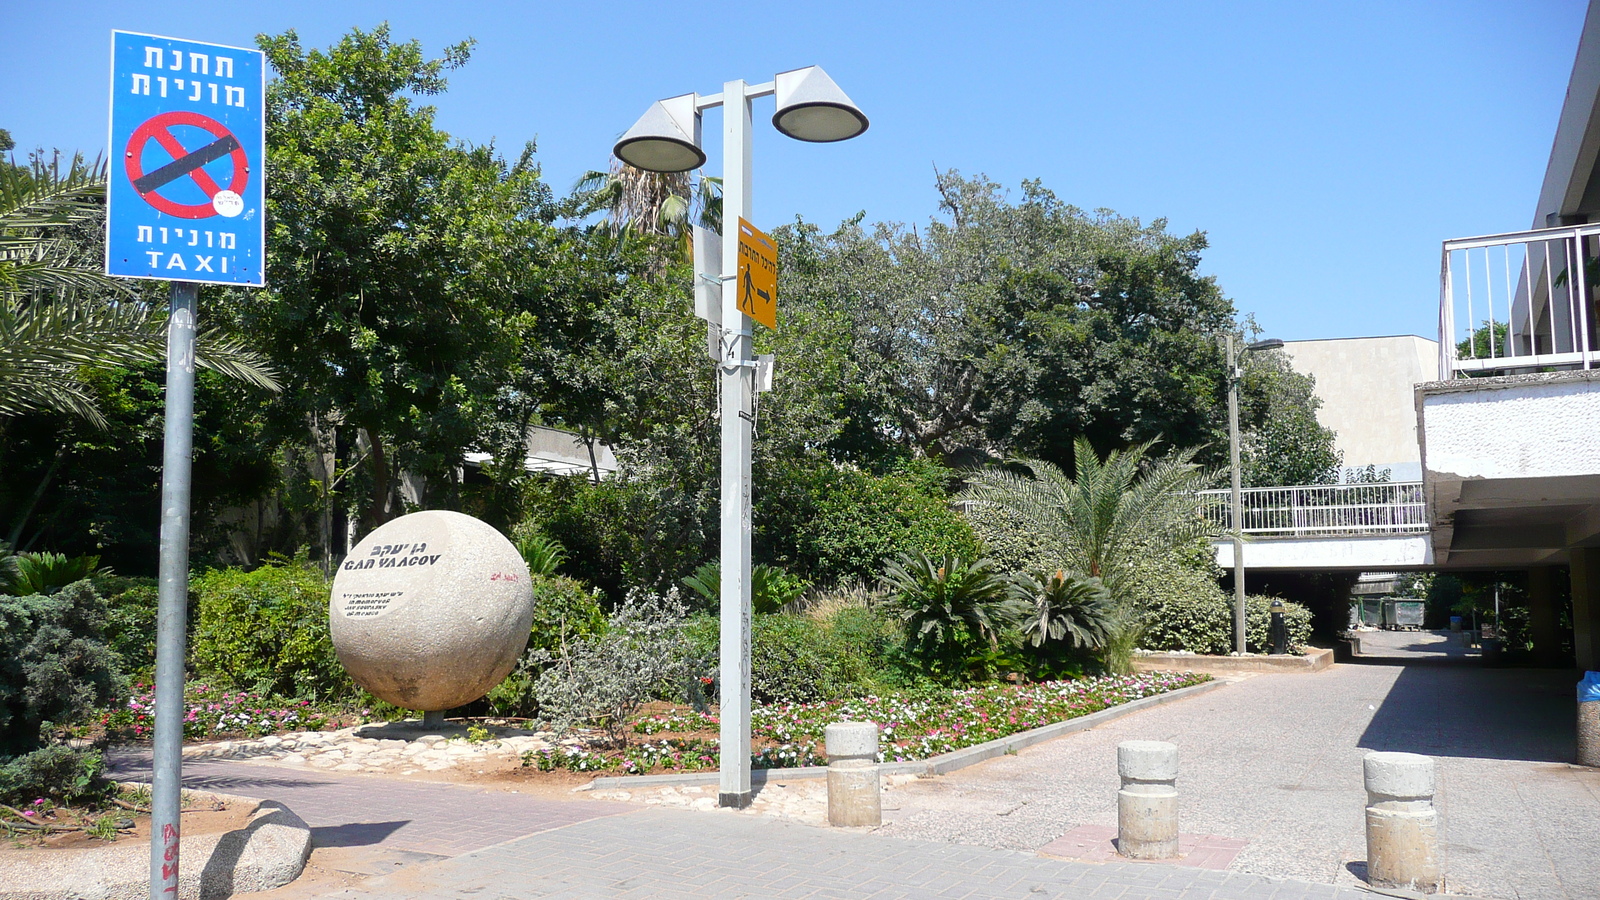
1519, 427
1366, 388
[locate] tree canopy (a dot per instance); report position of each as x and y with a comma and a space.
428, 300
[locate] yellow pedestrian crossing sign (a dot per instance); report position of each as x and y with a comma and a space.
757, 285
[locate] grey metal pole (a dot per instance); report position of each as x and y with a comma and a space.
173, 595
1236, 500
736, 375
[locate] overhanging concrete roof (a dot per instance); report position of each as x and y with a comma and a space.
1571, 193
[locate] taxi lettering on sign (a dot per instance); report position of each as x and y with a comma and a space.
185, 201
758, 275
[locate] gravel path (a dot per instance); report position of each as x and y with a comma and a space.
1275, 760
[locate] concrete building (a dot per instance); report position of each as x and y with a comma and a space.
1366, 385
1510, 431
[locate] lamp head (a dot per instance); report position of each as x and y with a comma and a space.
665, 139
812, 108
1268, 344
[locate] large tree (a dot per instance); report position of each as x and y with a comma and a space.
1004, 328
393, 254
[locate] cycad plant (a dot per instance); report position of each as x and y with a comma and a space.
948, 605
543, 553
59, 315
27, 574
771, 588
1066, 607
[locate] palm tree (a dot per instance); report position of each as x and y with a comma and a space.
1109, 515
641, 202
60, 315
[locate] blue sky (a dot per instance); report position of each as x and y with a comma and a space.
1326, 148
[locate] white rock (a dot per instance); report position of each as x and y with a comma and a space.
431, 610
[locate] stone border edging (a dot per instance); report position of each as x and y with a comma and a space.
934, 765
268, 852
1315, 659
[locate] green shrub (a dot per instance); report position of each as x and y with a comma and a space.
827, 523
1258, 624
266, 631
54, 664
803, 659
1201, 621
868, 650
601, 681
626, 531
565, 611
62, 774
792, 660
131, 621
1178, 604
1008, 543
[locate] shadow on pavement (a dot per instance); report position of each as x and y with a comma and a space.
1470, 711
355, 834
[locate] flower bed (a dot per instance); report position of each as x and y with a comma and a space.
210, 713
912, 727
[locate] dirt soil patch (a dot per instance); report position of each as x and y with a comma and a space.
204, 817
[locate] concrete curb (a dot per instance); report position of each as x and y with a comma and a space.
269, 851
937, 765
1315, 660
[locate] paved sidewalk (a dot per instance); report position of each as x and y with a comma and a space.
1275, 761
364, 811
682, 855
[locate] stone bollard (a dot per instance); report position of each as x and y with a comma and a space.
1147, 804
1402, 825
1589, 733
1589, 719
853, 774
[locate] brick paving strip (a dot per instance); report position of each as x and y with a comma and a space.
670, 854
1098, 843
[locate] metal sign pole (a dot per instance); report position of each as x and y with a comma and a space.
736, 374
1234, 500
172, 609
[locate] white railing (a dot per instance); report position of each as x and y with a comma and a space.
1322, 509
1508, 303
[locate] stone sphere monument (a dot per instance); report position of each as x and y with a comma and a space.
431, 610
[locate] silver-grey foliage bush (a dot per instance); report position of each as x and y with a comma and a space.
601, 681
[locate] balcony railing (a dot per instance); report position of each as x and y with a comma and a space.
1322, 510
1509, 304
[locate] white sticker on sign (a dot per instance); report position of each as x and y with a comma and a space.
227, 203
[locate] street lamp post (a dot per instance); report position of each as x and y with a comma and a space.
810, 107
1236, 500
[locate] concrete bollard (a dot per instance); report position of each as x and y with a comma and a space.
853, 790
1589, 719
1147, 804
1589, 733
1402, 825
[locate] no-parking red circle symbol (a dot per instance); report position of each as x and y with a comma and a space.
185, 162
